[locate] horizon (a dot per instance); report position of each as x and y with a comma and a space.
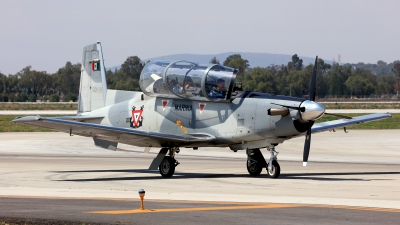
46, 34
306, 61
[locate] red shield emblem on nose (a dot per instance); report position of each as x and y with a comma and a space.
164, 104
201, 106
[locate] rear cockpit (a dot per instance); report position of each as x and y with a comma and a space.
188, 80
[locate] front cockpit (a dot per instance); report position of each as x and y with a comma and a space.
188, 80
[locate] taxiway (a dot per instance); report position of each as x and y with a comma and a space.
352, 177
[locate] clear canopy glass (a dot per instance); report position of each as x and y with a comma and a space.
188, 80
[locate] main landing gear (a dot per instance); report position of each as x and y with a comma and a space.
256, 162
168, 163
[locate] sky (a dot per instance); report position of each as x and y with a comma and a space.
46, 34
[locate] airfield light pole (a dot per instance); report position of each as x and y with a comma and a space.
141, 195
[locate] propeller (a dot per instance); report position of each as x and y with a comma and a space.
307, 143
309, 112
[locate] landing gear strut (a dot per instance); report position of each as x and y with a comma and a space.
168, 163
273, 168
256, 162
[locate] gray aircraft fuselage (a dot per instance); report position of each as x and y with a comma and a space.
240, 124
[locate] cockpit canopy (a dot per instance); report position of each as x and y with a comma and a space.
188, 80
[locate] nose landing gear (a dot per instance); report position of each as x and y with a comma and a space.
256, 162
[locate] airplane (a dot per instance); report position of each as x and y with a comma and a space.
191, 105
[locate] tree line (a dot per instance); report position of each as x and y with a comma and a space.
291, 79
31, 85
333, 80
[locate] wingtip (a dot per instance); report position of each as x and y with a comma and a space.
304, 163
25, 119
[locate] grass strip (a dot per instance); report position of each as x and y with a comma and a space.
7, 126
343, 105
38, 106
390, 123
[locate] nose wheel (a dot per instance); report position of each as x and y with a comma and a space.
274, 170
256, 162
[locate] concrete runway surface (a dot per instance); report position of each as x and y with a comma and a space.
351, 178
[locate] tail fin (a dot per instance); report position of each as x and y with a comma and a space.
93, 87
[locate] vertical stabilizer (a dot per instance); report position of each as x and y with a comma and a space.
93, 86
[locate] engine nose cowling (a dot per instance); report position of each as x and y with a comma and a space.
311, 110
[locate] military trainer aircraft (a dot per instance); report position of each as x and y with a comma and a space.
188, 104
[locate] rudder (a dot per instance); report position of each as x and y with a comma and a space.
93, 85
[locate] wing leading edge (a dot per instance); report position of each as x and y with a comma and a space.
329, 125
129, 136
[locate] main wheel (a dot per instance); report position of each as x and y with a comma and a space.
253, 167
167, 166
275, 170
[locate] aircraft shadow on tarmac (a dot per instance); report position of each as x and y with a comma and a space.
289, 176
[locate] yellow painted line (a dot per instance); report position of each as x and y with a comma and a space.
238, 207
133, 211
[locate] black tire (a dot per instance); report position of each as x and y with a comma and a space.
167, 166
253, 167
275, 170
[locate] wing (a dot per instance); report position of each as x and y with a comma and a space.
129, 136
324, 126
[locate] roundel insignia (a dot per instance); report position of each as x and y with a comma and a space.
137, 118
202, 106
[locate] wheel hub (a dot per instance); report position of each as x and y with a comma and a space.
165, 166
252, 165
271, 170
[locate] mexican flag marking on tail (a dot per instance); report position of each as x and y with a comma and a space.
95, 66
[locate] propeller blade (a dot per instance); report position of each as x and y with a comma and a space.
307, 143
340, 116
313, 87
313, 81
